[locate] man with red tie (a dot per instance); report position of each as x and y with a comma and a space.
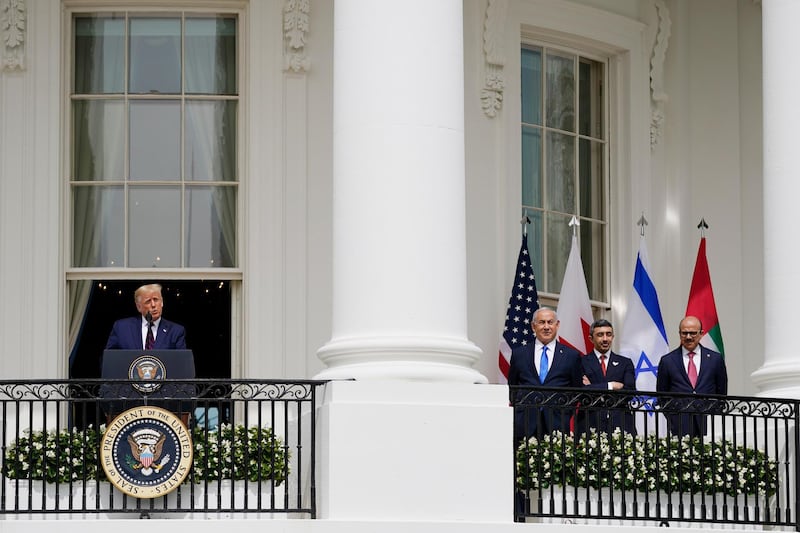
605, 370
148, 331
694, 369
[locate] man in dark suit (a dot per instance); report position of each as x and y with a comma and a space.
695, 369
545, 363
606, 370
149, 331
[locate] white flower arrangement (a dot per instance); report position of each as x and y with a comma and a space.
622, 461
227, 452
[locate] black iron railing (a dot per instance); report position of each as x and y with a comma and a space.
609, 455
253, 447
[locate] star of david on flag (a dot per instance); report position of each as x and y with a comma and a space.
644, 338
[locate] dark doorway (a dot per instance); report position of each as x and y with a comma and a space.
202, 307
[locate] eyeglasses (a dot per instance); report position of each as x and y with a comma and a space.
689, 333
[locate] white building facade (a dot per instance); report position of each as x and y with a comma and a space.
373, 198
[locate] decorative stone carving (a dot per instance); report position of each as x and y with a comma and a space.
494, 54
295, 27
658, 97
13, 14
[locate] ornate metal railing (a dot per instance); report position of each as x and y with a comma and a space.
669, 459
253, 447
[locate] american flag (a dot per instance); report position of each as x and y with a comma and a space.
524, 300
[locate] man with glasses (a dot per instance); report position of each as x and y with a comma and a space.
691, 369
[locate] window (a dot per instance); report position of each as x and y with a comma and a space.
153, 167
153, 177
564, 162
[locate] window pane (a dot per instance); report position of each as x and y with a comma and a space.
590, 169
155, 227
155, 130
561, 93
590, 99
536, 245
559, 240
531, 86
99, 140
98, 234
155, 55
561, 173
211, 141
593, 257
531, 167
99, 55
210, 227
211, 56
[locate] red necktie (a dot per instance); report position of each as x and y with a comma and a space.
603, 363
691, 370
149, 341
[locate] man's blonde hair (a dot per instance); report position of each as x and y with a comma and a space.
151, 287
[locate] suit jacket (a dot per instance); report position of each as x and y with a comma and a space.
565, 371
672, 377
618, 368
126, 334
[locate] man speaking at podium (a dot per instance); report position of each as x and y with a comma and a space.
148, 331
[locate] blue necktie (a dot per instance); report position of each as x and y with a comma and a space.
543, 364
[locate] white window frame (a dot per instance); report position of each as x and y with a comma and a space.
621, 40
234, 275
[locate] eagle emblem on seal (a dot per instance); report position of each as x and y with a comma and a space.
146, 450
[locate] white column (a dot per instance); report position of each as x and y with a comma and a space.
399, 259
780, 373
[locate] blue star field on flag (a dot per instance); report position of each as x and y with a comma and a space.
523, 302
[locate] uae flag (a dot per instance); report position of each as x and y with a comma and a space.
574, 309
701, 302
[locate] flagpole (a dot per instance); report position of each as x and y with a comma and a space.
524, 221
702, 226
642, 223
573, 223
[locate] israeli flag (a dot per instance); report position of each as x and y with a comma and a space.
644, 338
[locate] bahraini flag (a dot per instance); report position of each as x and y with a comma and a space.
574, 309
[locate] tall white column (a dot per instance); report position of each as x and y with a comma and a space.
780, 373
399, 259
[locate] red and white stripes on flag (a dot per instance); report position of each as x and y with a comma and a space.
524, 300
574, 310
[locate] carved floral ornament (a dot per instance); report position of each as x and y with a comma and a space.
661, 28
13, 14
295, 28
494, 82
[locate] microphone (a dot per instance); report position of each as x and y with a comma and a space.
149, 318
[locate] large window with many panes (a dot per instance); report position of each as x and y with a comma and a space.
153, 111
564, 163
153, 156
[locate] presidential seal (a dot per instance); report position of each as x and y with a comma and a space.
146, 452
146, 373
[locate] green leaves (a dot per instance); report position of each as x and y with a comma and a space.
239, 452
623, 461
252, 453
